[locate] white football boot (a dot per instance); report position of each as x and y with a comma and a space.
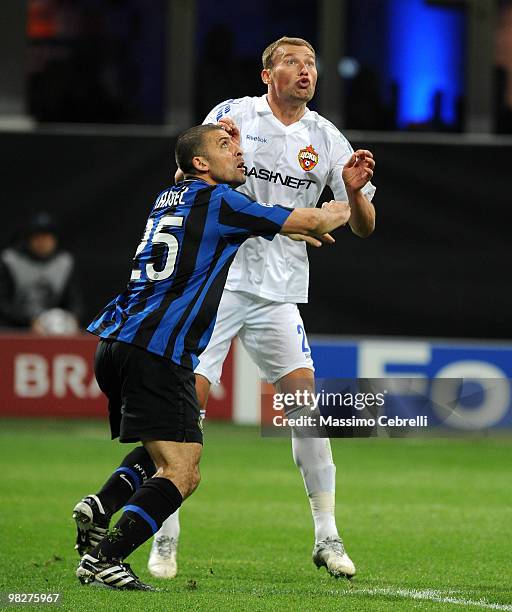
330, 553
162, 562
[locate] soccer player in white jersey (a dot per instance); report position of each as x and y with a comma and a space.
291, 154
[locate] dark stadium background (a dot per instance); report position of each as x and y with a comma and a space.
438, 264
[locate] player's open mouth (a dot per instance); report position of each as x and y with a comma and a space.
241, 165
304, 82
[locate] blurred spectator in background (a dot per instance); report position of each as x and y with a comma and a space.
37, 288
503, 61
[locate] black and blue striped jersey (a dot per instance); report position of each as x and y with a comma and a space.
180, 268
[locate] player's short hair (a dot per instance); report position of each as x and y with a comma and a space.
190, 144
267, 57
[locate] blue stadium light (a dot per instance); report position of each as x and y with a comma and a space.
426, 54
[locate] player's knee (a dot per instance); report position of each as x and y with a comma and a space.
195, 479
185, 480
299, 380
189, 482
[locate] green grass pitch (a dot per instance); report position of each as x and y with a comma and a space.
427, 522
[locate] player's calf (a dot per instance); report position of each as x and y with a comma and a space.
135, 468
177, 462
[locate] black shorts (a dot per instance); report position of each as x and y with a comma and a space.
149, 397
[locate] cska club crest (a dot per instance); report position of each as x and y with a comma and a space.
308, 158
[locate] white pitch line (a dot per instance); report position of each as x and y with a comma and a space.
431, 595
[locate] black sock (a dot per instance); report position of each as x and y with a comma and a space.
124, 482
143, 516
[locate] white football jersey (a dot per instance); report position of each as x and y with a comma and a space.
288, 165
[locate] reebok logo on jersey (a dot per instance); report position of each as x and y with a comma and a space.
308, 158
256, 138
277, 177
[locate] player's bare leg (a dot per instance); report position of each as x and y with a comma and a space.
313, 457
163, 558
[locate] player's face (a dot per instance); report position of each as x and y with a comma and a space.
293, 75
225, 160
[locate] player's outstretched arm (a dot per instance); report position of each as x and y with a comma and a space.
317, 221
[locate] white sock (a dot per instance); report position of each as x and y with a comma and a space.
313, 457
170, 527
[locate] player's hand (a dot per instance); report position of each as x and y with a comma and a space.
231, 128
358, 170
338, 207
316, 242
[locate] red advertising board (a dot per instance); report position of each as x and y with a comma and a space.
54, 377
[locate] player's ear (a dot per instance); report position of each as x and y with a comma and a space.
200, 163
265, 76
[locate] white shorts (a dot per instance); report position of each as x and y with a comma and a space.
272, 333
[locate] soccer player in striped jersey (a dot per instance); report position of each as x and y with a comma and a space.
150, 339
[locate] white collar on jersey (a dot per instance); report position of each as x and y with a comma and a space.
263, 108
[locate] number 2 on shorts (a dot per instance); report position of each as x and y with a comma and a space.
305, 346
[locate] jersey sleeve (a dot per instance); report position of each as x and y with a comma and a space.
228, 108
241, 217
341, 152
